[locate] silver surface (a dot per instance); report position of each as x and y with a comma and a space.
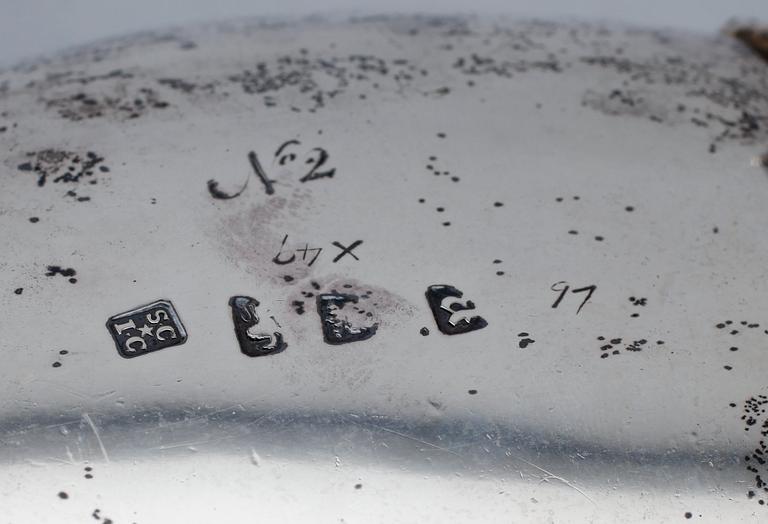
400, 427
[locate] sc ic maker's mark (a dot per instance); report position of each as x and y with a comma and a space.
147, 328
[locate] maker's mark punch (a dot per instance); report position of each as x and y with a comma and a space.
146, 329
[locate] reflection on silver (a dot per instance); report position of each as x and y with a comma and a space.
497, 156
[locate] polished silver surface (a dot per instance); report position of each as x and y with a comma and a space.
588, 199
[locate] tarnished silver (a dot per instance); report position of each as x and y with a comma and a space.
590, 192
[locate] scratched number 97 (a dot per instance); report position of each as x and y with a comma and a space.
563, 287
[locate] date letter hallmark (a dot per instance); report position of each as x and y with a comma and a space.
452, 315
253, 342
146, 329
